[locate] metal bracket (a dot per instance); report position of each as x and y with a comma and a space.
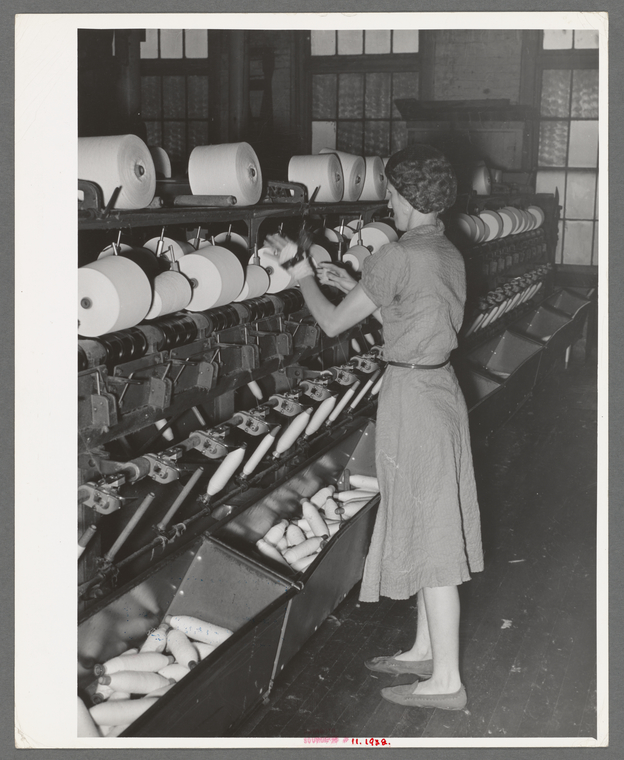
315, 390
93, 197
210, 444
304, 335
252, 423
101, 497
162, 469
289, 406
343, 375
96, 407
238, 358
364, 364
272, 344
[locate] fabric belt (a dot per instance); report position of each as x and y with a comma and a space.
419, 366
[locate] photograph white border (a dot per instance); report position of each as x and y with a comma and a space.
45, 275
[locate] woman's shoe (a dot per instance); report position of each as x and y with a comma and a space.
404, 695
388, 664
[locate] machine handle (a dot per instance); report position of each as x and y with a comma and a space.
181, 497
121, 539
85, 538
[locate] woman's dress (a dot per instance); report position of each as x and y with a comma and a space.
427, 532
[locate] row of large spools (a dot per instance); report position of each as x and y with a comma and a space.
128, 284
492, 225
231, 169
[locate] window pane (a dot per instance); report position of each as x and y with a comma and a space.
595, 247
197, 134
197, 97
171, 43
553, 143
585, 94
350, 96
404, 85
376, 138
154, 133
405, 41
174, 140
196, 43
323, 135
377, 100
398, 139
549, 182
377, 41
149, 48
577, 245
580, 195
585, 39
555, 93
323, 42
150, 97
557, 39
324, 96
174, 98
349, 137
583, 144
350, 42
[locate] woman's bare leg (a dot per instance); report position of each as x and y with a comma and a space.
442, 614
422, 646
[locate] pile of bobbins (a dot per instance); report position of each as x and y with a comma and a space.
130, 683
296, 543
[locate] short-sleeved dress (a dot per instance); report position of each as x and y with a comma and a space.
427, 532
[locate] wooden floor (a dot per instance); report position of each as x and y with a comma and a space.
528, 643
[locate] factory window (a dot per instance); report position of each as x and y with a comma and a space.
175, 90
568, 139
356, 77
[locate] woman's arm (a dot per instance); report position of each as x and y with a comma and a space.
331, 274
334, 320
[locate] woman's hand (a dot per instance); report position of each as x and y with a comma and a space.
286, 250
331, 274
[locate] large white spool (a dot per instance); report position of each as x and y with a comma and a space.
318, 171
319, 254
355, 256
113, 294
161, 160
257, 283
119, 160
232, 241
354, 171
375, 182
172, 249
280, 278
172, 292
229, 169
373, 236
216, 276
110, 250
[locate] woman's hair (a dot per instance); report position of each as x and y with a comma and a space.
424, 177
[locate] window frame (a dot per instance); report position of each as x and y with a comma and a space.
366, 63
568, 59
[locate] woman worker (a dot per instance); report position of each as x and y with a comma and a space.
427, 538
